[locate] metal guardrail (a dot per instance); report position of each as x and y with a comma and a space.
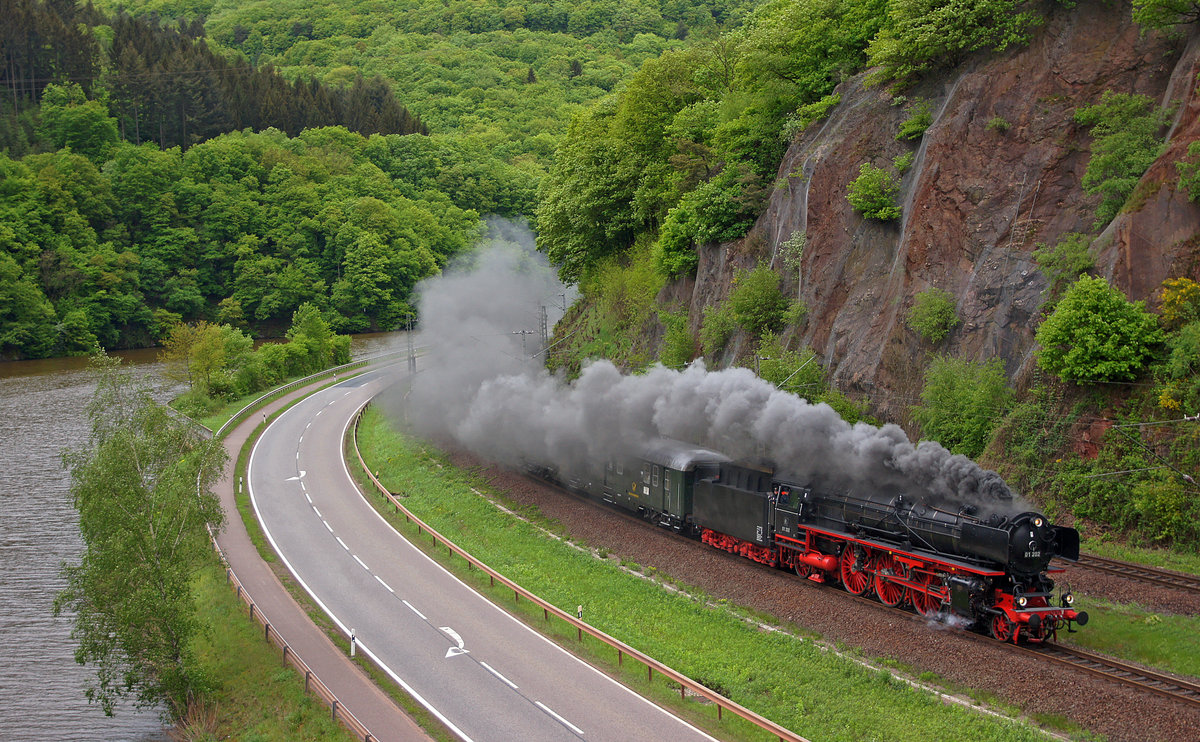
312, 683
652, 665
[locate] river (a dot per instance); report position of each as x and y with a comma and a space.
42, 405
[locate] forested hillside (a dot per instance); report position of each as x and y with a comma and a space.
129, 204
979, 220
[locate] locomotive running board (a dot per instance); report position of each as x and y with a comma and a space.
953, 565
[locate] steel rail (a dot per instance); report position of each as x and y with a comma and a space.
1109, 668
1168, 686
1140, 572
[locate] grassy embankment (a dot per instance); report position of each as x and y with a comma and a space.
258, 698
789, 679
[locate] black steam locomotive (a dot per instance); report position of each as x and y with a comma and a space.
988, 569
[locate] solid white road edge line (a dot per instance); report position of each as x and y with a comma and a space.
498, 609
345, 629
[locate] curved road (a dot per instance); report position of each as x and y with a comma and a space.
482, 672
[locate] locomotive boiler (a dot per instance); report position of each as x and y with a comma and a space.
987, 563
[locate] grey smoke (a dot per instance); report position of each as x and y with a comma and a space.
480, 388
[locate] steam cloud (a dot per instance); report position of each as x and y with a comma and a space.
483, 387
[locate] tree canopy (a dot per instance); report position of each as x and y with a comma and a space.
1096, 334
143, 490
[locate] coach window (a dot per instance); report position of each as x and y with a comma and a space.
646, 475
654, 483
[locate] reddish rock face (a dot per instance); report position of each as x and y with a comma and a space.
977, 201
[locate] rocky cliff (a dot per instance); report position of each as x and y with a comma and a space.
977, 201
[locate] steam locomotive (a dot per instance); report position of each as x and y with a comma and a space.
988, 569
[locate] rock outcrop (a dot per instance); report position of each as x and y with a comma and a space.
977, 200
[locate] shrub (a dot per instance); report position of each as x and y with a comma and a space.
757, 302
806, 115
796, 313
716, 328
851, 411
800, 372
1180, 302
1189, 172
873, 193
1125, 142
679, 347
998, 124
933, 314
903, 162
1064, 262
1096, 334
920, 116
962, 403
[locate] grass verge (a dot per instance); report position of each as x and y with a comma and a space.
1154, 557
1133, 633
257, 698
793, 681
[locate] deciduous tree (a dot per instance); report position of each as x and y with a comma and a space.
143, 490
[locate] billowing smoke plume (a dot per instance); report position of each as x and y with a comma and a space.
483, 386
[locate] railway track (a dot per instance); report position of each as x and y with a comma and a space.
1108, 668
1140, 572
1121, 672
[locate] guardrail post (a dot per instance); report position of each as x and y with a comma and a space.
334, 706
252, 611
307, 677
620, 658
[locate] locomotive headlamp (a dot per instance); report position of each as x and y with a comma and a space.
1022, 601
1068, 599
1037, 522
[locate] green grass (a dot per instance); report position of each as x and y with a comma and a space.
1154, 557
790, 680
257, 696
1133, 633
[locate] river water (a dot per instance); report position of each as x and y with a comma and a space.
42, 407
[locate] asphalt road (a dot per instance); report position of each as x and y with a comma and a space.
486, 675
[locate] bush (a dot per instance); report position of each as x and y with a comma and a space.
757, 302
806, 115
1189, 172
679, 347
920, 116
716, 329
1096, 334
903, 162
1125, 142
962, 402
998, 124
873, 193
800, 373
796, 313
1180, 302
933, 314
1065, 262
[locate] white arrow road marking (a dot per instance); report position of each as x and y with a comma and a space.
454, 635
293, 479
